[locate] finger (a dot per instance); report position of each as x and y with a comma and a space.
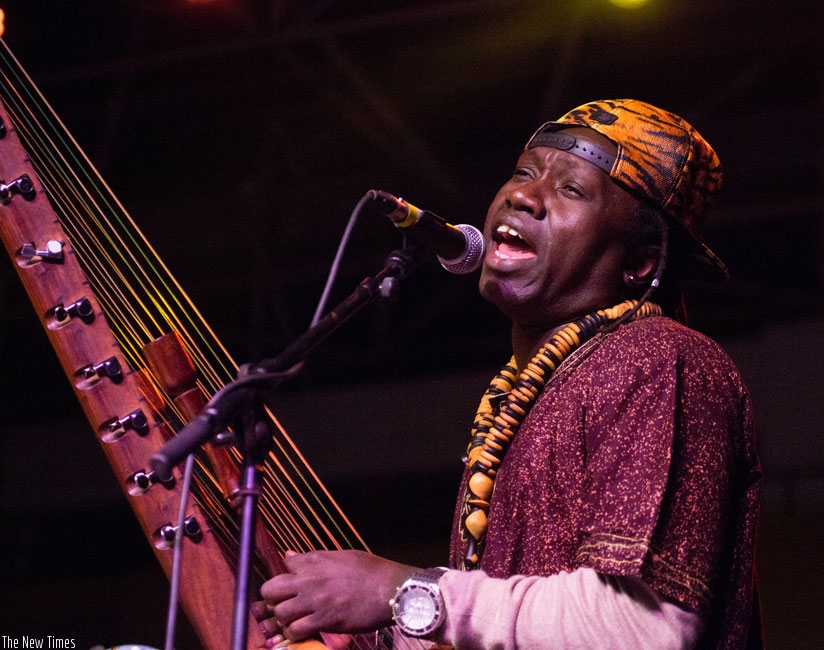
292, 560
279, 588
260, 610
300, 629
289, 611
269, 628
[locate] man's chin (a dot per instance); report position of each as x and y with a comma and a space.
500, 292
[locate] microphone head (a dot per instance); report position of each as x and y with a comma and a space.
472, 255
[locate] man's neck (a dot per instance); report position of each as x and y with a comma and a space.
526, 341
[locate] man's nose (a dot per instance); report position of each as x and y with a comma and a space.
525, 197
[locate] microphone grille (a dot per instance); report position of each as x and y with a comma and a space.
473, 254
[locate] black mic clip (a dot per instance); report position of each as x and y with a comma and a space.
460, 249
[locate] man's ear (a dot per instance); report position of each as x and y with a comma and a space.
641, 266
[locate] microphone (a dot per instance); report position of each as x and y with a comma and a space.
460, 249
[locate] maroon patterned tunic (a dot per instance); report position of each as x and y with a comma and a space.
638, 459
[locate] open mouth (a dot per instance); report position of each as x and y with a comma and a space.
510, 245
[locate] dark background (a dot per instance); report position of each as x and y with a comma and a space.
241, 133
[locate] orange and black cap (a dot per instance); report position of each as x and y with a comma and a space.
661, 159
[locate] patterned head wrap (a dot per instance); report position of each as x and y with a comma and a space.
661, 159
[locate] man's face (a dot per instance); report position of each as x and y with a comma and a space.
554, 236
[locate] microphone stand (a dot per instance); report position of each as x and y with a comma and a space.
240, 404
257, 441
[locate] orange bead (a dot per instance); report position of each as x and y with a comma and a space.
533, 372
476, 523
506, 417
491, 444
488, 458
515, 407
569, 335
525, 394
481, 485
561, 345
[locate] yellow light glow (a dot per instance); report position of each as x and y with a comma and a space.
629, 4
2, 22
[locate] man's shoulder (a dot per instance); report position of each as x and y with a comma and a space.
663, 339
662, 331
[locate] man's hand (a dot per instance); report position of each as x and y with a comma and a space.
330, 591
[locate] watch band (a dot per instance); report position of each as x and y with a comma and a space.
434, 574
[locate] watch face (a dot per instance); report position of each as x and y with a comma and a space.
418, 609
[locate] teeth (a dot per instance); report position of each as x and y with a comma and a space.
506, 230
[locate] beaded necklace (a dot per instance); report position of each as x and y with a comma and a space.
505, 405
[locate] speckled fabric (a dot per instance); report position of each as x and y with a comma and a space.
637, 459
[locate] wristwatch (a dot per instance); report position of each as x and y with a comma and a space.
417, 607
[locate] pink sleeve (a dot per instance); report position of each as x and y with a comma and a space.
582, 609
